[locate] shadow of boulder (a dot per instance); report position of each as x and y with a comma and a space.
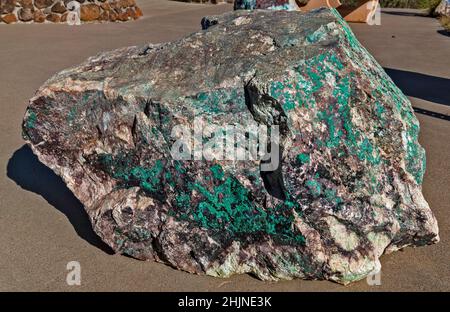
29, 173
403, 12
421, 86
444, 32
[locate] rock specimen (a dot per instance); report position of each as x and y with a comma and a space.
55, 11
348, 185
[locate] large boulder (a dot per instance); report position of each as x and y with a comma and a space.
348, 185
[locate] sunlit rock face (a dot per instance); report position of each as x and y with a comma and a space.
347, 187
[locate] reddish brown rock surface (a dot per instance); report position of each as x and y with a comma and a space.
38, 16
9, 18
89, 12
53, 17
56, 11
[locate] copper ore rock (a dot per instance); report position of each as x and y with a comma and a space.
348, 187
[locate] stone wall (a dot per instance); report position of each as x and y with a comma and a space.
56, 11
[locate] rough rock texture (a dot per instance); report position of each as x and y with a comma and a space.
53, 17
25, 15
349, 185
9, 18
443, 9
7, 6
260, 4
59, 7
90, 12
38, 16
55, 11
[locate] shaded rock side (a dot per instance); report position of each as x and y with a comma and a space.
348, 187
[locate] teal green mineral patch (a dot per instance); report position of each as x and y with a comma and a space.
218, 100
299, 91
292, 94
202, 96
31, 120
120, 167
149, 178
415, 158
379, 109
229, 208
315, 36
217, 172
415, 154
315, 187
281, 91
72, 114
303, 158
179, 167
353, 42
331, 196
337, 117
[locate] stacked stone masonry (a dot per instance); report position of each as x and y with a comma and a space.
56, 11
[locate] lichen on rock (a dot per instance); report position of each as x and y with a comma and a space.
346, 191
